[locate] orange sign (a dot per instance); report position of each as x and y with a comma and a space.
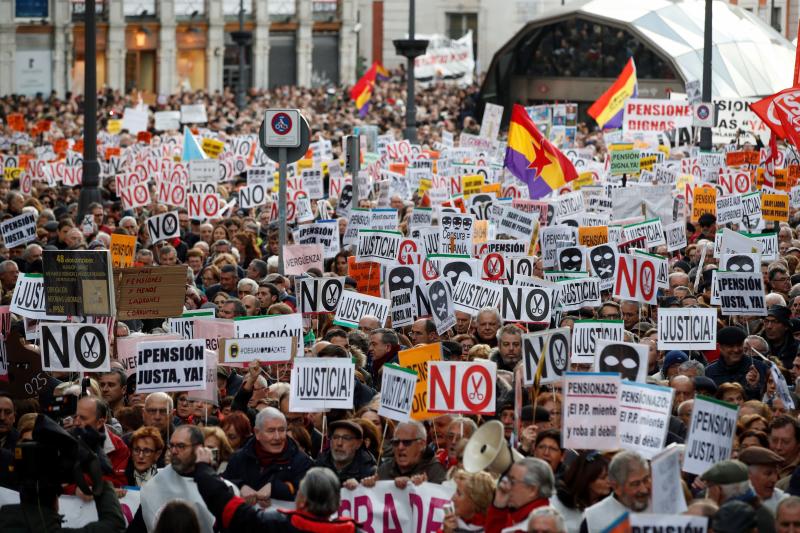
367, 275
417, 359
16, 121
705, 201
775, 207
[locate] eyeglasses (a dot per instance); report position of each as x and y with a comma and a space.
143, 451
180, 446
344, 438
405, 443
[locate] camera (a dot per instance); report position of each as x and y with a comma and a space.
62, 407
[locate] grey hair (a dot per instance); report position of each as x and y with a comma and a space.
692, 363
5, 265
322, 491
29, 249
538, 474
732, 490
468, 422
268, 413
623, 464
417, 425
688, 404
388, 336
159, 396
552, 512
791, 501
763, 346
509, 329
492, 311
128, 218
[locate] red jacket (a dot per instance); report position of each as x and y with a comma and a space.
498, 519
118, 458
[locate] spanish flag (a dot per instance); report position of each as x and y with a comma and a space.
533, 159
607, 110
361, 92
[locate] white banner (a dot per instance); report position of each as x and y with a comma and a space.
171, 366
446, 60
591, 411
711, 432
470, 296
397, 392
741, 293
687, 329
378, 246
644, 417
19, 230
353, 306
321, 383
651, 115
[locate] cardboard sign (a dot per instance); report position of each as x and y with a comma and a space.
741, 293
122, 250
318, 295
75, 347
586, 333
644, 417
19, 230
591, 411
378, 246
467, 387
184, 325
525, 304
578, 293
636, 279
626, 358
367, 276
164, 227
277, 350
774, 207
298, 258
321, 383
470, 296
687, 329
171, 366
552, 345
253, 195
705, 201
79, 282
675, 235
397, 392
353, 306
711, 432
151, 292
416, 359
134, 196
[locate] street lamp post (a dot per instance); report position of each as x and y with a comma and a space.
90, 191
410, 48
705, 133
242, 39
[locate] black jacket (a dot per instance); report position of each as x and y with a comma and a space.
787, 351
7, 459
720, 373
363, 465
284, 473
233, 514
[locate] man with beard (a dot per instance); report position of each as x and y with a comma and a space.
509, 348
347, 457
631, 484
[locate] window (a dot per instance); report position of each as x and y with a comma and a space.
139, 8
37, 9
458, 24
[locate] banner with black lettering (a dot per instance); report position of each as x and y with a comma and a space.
19, 230
171, 366
591, 411
644, 417
397, 392
466, 387
586, 333
647, 522
321, 383
470, 295
353, 306
687, 329
378, 246
163, 227
74, 347
652, 230
577, 293
626, 358
318, 295
675, 235
28, 298
553, 345
525, 304
455, 233
324, 232
741, 293
269, 327
711, 431
402, 310
237, 352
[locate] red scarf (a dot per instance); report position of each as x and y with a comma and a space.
266, 458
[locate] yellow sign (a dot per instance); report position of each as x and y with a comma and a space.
585, 179
592, 235
303, 164
647, 162
12, 173
620, 146
417, 359
212, 147
492, 188
471, 184
775, 207
122, 249
705, 201
424, 185
114, 126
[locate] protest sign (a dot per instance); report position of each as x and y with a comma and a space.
571, 258
729, 209
728, 241
168, 366
774, 207
79, 282
253, 195
416, 359
19, 230
636, 279
603, 263
710, 437
687, 329
298, 258
324, 232
127, 351
467, 387
516, 223
626, 358
644, 413
402, 312
277, 350
441, 306
591, 411
666, 472
675, 235
741, 293
577, 293
184, 324
353, 306
167, 120
525, 304
28, 298
148, 292
455, 234
705, 202
367, 275
590, 236
470, 295
549, 237
269, 327
383, 219
318, 295
647, 522
163, 227
651, 115
553, 345
624, 162
397, 392
193, 114
586, 333
378, 246
321, 383
75, 347
386, 509
122, 249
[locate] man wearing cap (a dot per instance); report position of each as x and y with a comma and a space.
729, 481
347, 457
734, 367
762, 467
672, 360
778, 331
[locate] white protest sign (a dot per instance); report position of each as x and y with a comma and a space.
184, 325
167, 120
318, 295
711, 431
525, 304
675, 235
687, 329
729, 209
134, 120
455, 233
467, 387
402, 308
128, 351
321, 383
354, 305
397, 392
553, 345
731, 242
171, 366
470, 295
253, 195
277, 350
591, 411
203, 175
324, 232
585, 334
651, 115
134, 196
270, 327
19, 230
74, 347
378, 246
383, 219
666, 472
298, 258
577, 293
741, 293
441, 304
516, 223
636, 279
652, 230
647, 522
490, 124
193, 114
644, 417
629, 359
164, 227
549, 236
781, 387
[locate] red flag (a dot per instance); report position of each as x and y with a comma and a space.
781, 113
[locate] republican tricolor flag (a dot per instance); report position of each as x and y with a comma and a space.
361, 92
607, 110
533, 159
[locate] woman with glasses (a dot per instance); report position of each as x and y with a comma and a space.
146, 447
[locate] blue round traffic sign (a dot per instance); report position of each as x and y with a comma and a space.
281, 124
703, 112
